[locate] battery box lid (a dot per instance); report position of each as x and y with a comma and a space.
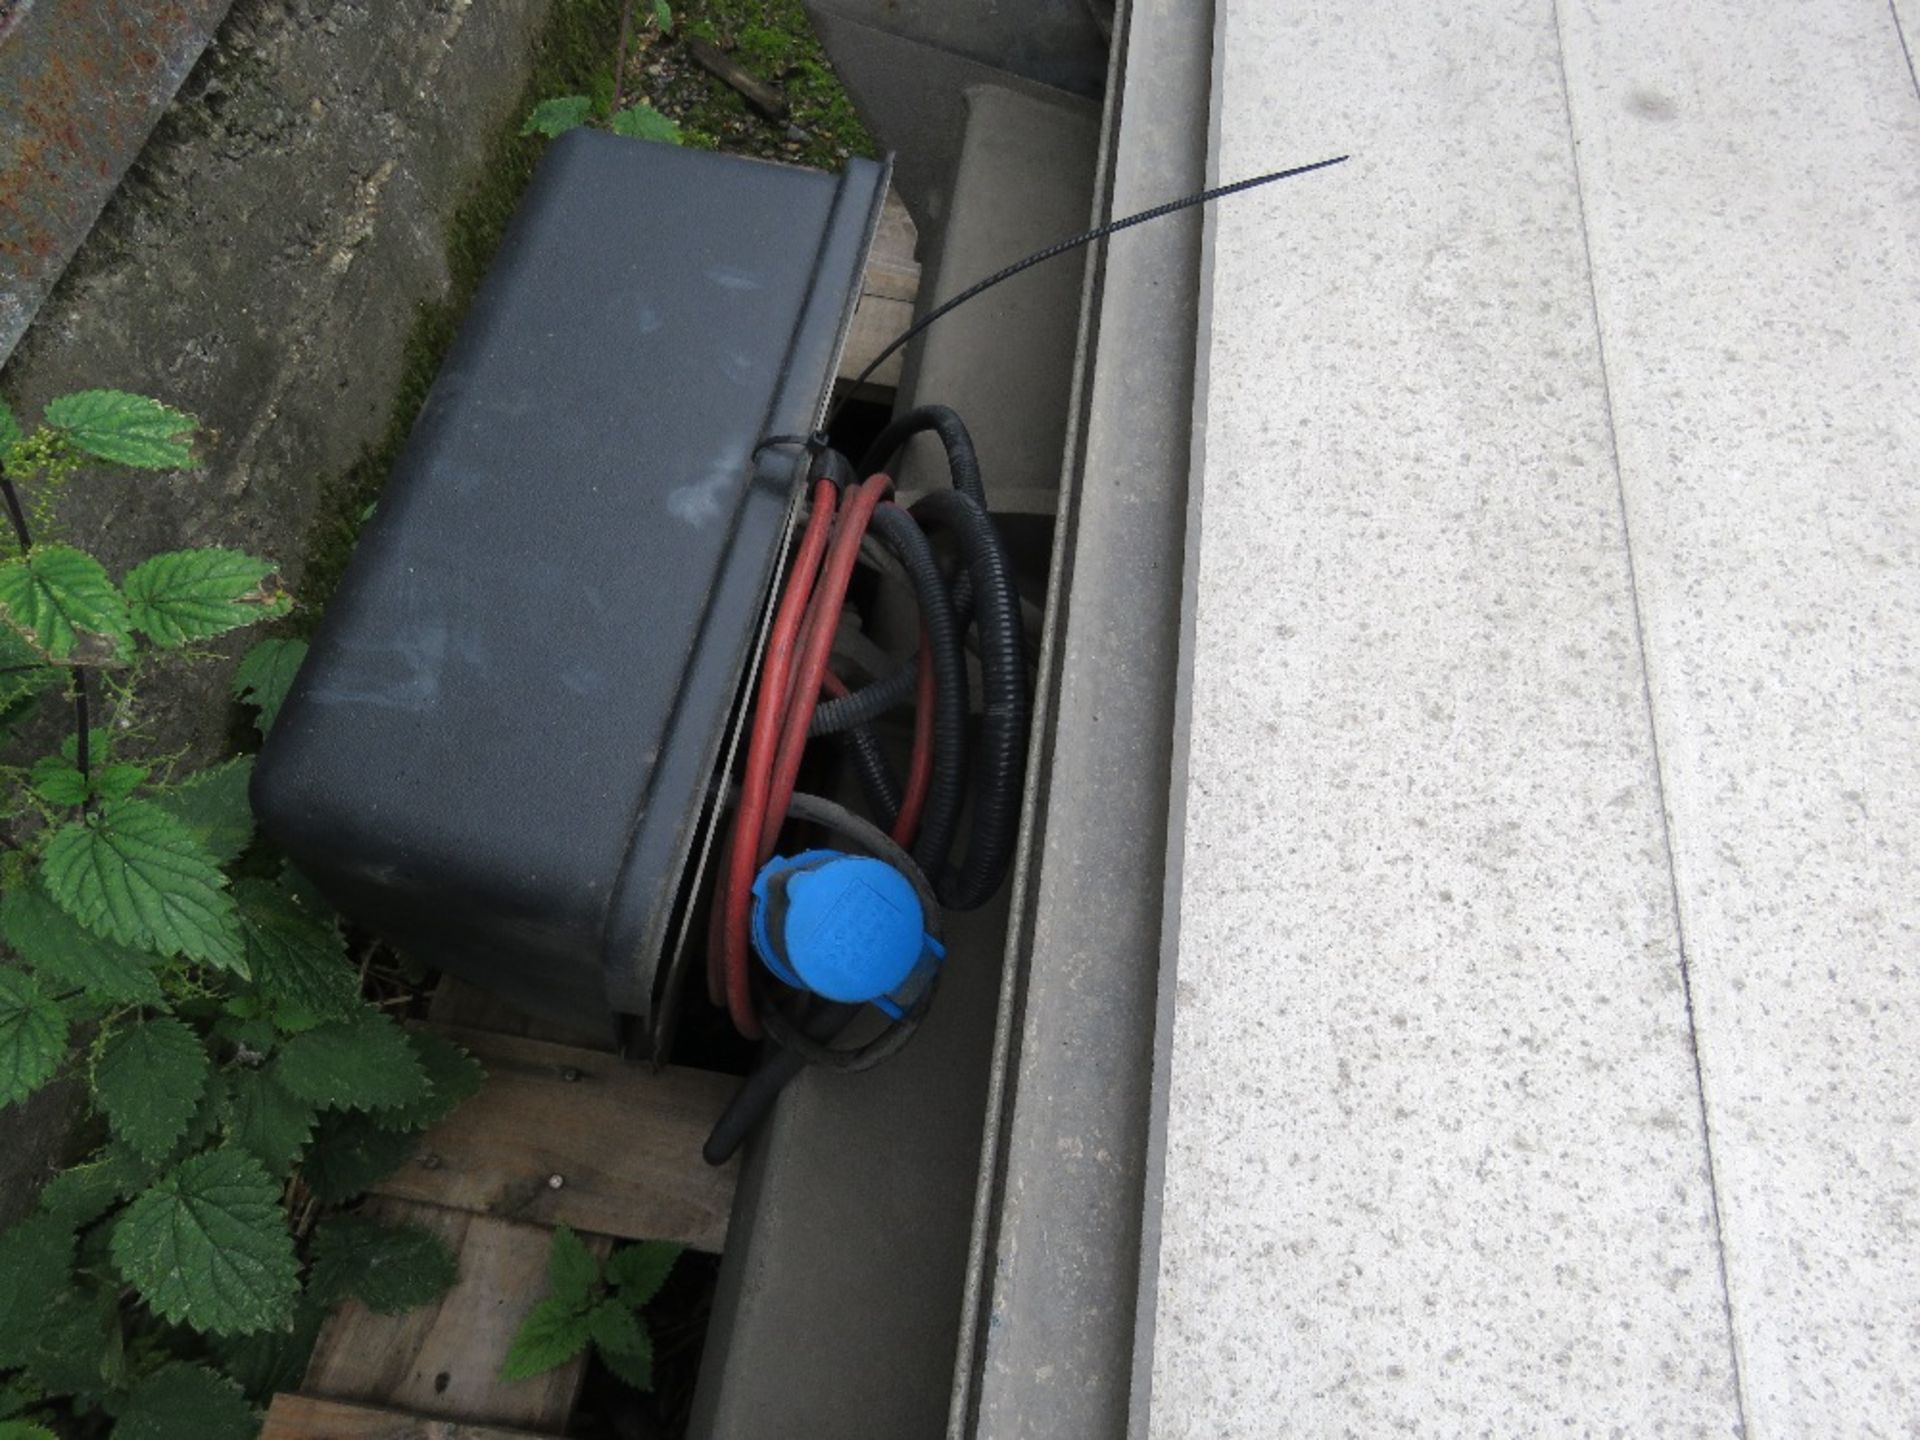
507, 724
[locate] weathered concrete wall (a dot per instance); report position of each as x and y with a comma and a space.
262, 267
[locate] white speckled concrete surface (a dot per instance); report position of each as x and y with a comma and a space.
1541, 1049
1433, 1149
1752, 184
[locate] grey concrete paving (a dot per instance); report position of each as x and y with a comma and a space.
1751, 202
1434, 1159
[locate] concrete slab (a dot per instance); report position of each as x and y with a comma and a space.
1060, 1228
1749, 177
1433, 1157
1024, 180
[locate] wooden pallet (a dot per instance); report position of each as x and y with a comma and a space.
887, 298
562, 1132
559, 1134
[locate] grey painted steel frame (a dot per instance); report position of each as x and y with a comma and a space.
1047, 1347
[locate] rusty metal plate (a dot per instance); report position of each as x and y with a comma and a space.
82, 83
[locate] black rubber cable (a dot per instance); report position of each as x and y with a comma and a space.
877, 780
1002, 759
940, 821
805, 1043
890, 691
963, 461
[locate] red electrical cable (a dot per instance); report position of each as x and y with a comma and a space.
823, 618
772, 769
775, 678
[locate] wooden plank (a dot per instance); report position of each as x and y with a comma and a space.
887, 295
622, 1141
444, 1360
307, 1417
469, 1007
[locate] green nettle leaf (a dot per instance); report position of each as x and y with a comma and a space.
454, 1075
643, 122
77, 1347
208, 1246
58, 781
134, 873
186, 1402
126, 429
572, 1270
636, 1368
663, 16
637, 1272
558, 115
63, 953
266, 675
270, 1361
296, 959
615, 1329
267, 1120
61, 602
149, 1081
213, 805
24, 677
185, 595
363, 1063
390, 1269
350, 1154
552, 1334
36, 1260
82, 1194
33, 1037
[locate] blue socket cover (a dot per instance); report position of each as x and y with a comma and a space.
846, 927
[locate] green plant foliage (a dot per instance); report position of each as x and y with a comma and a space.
361, 1063
558, 115
266, 674
350, 1153
592, 1305
643, 122
21, 1430
81, 1195
388, 1268
552, 1334
207, 1245
269, 1361
126, 429
663, 16
33, 1037
62, 603
267, 1120
633, 1366
452, 1075
296, 959
187, 595
229, 1050
35, 1256
149, 1082
213, 806
134, 873
637, 1272
572, 1270
186, 1402
63, 954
